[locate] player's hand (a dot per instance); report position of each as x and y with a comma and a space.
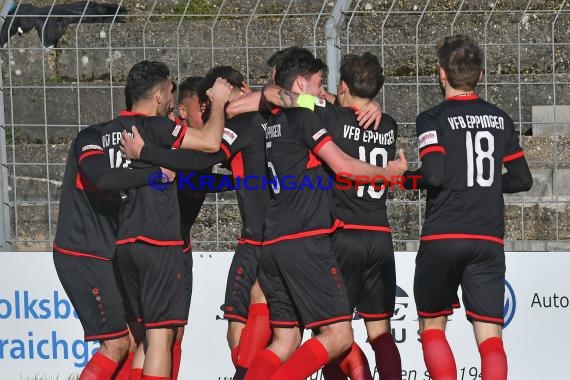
397, 167
331, 98
167, 174
245, 88
131, 146
368, 114
220, 92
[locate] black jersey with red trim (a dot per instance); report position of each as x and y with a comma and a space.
244, 144
149, 214
364, 205
476, 139
299, 206
87, 222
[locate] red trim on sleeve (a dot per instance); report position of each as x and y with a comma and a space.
493, 239
472, 96
107, 336
130, 113
233, 317
166, 323
78, 254
328, 321
237, 165
176, 144
249, 241
366, 227
226, 151
432, 149
321, 144
90, 153
483, 318
299, 235
313, 161
436, 314
151, 241
512, 157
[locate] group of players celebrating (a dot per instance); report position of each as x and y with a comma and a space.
306, 258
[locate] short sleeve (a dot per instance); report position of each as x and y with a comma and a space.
165, 132
428, 131
88, 143
312, 131
513, 149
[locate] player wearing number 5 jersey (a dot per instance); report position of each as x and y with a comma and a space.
463, 144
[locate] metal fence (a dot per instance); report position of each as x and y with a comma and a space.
49, 93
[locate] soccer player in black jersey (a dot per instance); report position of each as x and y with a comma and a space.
298, 271
363, 246
464, 142
149, 244
243, 144
84, 245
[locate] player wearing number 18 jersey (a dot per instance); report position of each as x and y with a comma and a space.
463, 144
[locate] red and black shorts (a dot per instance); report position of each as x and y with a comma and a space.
152, 281
366, 259
241, 277
303, 284
91, 287
477, 265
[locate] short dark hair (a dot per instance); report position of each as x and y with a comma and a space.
461, 59
143, 78
189, 87
282, 54
234, 77
297, 64
362, 74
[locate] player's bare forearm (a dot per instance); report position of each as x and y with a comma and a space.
247, 103
279, 96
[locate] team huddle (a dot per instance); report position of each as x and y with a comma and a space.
307, 258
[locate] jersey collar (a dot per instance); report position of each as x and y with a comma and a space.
130, 113
462, 97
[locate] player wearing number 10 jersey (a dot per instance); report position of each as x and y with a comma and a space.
463, 144
363, 247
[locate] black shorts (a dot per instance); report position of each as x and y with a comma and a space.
241, 277
477, 265
188, 278
366, 259
303, 284
152, 280
92, 289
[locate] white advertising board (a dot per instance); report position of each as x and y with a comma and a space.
41, 336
